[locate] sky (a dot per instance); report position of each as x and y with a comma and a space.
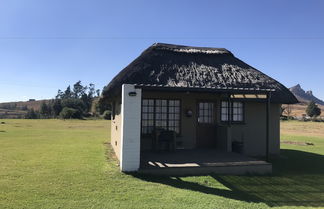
46, 45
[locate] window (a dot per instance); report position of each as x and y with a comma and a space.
147, 115
160, 114
174, 116
236, 114
224, 111
237, 111
205, 112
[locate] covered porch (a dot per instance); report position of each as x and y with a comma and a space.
201, 161
198, 121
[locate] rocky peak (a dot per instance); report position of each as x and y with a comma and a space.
309, 92
304, 96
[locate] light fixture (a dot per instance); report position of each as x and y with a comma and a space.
132, 94
189, 113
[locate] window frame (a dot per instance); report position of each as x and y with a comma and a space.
167, 115
213, 115
230, 109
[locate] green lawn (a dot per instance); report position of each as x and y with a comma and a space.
67, 164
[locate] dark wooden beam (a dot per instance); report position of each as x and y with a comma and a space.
267, 125
229, 110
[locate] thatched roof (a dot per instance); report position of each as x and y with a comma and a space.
195, 68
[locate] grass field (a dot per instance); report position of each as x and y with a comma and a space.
67, 164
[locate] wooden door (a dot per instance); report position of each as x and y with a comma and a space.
206, 127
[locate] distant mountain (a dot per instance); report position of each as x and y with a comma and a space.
305, 96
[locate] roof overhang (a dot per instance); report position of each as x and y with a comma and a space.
231, 90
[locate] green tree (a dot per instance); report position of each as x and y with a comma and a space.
32, 114
59, 94
79, 90
69, 113
67, 93
102, 106
313, 110
75, 104
80, 98
98, 92
45, 110
107, 115
56, 107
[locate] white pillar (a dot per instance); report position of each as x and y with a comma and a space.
130, 128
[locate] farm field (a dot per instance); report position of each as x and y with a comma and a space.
68, 164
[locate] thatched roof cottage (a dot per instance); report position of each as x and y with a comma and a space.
188, 99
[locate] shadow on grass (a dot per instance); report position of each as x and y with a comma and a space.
298, 180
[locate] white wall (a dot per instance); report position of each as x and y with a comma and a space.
130, 128
116, 127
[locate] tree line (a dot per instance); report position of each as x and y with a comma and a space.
312, 110
74, 102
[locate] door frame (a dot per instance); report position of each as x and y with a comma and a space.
210, 125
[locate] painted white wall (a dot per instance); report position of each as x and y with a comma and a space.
130, 128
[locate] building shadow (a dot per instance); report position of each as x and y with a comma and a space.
297, 180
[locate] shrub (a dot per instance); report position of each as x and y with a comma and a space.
313, 110
107, 115
68, 113
77, 104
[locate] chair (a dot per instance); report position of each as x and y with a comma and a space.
166, 140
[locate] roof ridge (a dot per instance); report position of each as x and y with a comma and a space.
190, 49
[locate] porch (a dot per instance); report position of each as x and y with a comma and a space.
201, 161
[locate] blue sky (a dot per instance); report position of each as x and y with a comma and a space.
46, 45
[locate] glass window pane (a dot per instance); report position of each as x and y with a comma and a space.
206, 112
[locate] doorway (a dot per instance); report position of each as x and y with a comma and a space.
206, 126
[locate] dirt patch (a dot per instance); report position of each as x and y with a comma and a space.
298, 143
110, 154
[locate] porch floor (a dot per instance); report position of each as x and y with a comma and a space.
201, 161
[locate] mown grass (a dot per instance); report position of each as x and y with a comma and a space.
67, 164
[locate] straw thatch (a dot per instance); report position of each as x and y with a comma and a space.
182, 67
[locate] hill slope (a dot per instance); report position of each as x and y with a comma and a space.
18, 109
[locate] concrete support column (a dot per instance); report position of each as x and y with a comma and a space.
130, 128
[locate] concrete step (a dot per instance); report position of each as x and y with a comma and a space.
232, 168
